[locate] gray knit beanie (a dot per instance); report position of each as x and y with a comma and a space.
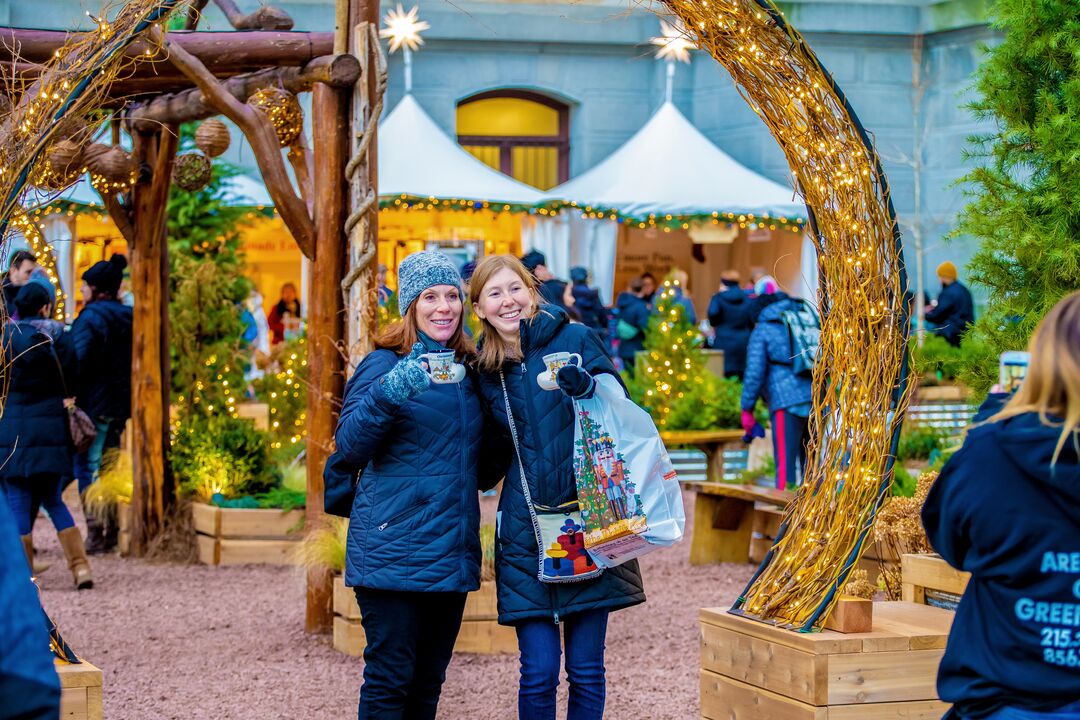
422, 270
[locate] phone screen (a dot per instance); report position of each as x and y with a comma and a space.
1012, 369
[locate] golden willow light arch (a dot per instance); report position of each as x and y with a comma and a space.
861, 376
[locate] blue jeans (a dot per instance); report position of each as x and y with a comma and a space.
26, 495
88, 463
541, 653
1069, 712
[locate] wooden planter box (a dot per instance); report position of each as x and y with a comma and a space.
233, 536
480, 631
929, 580
123, 523
754, 671
80, 691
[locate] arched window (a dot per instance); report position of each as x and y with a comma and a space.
522, 134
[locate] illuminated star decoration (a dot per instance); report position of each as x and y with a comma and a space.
404, 28
673, 43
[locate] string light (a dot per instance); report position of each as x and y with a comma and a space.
43, 252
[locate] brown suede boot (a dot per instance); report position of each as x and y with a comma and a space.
72, 543
36, 568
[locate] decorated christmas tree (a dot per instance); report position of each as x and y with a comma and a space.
1025, 194
670, 379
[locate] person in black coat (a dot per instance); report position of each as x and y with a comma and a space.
730, 315
553, 290
20, 269
102, 337
955, 310
1006, 508
518, 332
35, 441
590, 308
633, 319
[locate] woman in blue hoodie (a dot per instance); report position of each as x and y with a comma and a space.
413, 548
538, 449
1006, 508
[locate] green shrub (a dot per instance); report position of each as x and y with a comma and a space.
918, 442
221, 455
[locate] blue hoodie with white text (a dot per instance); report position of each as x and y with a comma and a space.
1001, 511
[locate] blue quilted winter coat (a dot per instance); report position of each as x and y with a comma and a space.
768, 363
415, 519
545, 428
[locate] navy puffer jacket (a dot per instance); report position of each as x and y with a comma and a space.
415, 519
768, 363
102, 337
34, 435
545, 428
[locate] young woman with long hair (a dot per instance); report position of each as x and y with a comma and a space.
414, 434
535, 426
1006, 508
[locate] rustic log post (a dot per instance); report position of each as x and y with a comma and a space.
153, 492
325, 320
362, 226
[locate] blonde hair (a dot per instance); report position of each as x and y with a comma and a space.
1052, 384
493, 350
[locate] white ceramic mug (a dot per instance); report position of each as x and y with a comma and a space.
553, 362
441, 367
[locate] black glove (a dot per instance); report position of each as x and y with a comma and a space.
575, 382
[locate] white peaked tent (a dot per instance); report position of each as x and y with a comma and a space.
668, 168
418, 160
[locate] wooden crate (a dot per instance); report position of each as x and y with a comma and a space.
80, 691
480, 631
234, 536
348, 633
754, 671
929, 580
123, 524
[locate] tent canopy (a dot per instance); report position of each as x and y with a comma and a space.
418, 160
669, 168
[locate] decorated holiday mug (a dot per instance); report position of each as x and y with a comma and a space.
548, 379
442, 368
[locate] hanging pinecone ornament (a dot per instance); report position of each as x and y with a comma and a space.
192, 171
212, 137
60, 167
284, 111
111, 169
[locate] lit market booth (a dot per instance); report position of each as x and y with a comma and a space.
670, 198
434, 194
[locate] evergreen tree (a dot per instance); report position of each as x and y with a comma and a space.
671, 381
1025, 194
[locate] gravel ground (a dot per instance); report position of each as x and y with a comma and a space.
203, 643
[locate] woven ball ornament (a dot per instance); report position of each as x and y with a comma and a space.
212, 137
60, 167
112, 170
192, 172
284, 111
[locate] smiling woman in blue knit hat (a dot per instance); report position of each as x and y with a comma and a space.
414, 435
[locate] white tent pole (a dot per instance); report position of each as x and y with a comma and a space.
408, 70
670, 81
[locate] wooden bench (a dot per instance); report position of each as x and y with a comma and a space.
724, 519
929, 580
710, 442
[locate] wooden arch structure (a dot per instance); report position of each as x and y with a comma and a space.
187, 75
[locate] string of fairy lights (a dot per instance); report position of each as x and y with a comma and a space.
46, 260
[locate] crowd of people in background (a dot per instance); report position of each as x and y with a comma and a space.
50, 371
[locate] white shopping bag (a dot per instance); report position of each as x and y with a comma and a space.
629, 494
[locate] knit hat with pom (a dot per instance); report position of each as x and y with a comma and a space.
106, 276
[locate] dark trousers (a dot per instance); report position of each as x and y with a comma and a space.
541, 652
26, 495
410, 640
790, 434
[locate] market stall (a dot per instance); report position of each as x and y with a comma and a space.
670, 198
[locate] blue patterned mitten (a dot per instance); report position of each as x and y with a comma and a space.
407, 379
